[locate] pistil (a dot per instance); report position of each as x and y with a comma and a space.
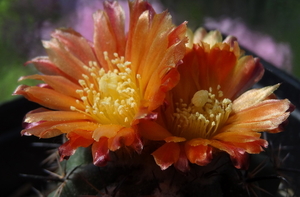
110, 97
203, 116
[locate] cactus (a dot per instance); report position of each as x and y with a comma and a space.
138, 175
150, 113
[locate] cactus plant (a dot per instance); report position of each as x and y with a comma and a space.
159, 111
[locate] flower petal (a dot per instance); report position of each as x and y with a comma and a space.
237, 136
85, 126
199, 35
182, 163
100, 152
45, 66
200, 154
247, 72
58, 83
165, 84
249, 141
125, 136
265, 116
238, 155
152, 131
137, 8
41, 129
161, 65
109, 35
48, 98
64, 60
174, 139
137, 143
116, 17
75, 45
212, 38
167, 155
108, 131
55, 116
215, 64
252, 97
69, 147
253, 147
154, 57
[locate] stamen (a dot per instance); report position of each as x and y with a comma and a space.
203, 116
109, 97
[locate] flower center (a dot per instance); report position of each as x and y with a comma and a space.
203, 116
110, 97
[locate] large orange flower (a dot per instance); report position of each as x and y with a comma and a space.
207, 113
96, 93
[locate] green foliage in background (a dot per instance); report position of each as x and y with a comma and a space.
20, 23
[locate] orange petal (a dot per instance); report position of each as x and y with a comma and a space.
78, 125
252, 97
199, 141
48, 98
45, 66
116, 17
221, 62
55, 128
64, 60
125, 136
253, 147
69, 147
267, 115
212, 38
249, 141
76, 45
237, 136
152, 131
169, 81
137, 144
280, 127
152, 57
100, 152
238, 155
58, 83
182, 163
134, 38
198, 35
104, 38
163, 76
174, 139
215, 64
189, 77
55, 116
42, 130
166, 155
106, 131
160, 50
200, 154
136, 50
246, 73
87, 134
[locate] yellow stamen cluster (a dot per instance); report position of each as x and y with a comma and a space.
110, 97
203, 116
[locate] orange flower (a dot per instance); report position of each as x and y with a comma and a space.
96, 93
207, 113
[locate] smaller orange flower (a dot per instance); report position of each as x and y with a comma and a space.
96, 93
207, 112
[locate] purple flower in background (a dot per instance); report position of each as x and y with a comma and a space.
80, 18
277, 53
